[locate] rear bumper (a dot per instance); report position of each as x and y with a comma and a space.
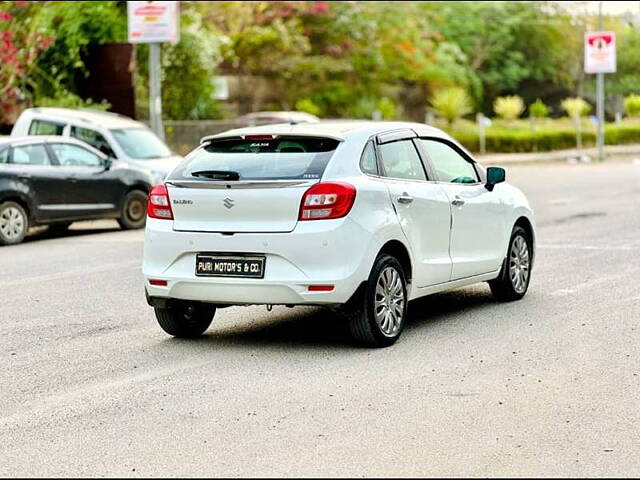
326, 252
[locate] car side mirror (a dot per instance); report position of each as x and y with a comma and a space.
107, 163
495, 175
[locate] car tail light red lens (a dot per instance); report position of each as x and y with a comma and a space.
157, 282
159, 205
327, 200
320, 288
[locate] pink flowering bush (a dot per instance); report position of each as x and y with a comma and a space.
20, 47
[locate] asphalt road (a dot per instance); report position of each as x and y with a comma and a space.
550, 385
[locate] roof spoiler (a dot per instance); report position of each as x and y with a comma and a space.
264, 136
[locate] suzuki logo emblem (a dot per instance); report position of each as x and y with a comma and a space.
228, 203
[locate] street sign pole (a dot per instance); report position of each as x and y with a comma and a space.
154, 22
600, 58
600, 113
600, 99
155, 90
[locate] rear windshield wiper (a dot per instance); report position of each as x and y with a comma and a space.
217, 174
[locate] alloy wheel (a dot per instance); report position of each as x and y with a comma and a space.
519, 264
389, 301
136, 209
12, 223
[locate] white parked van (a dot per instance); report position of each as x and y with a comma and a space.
117, 136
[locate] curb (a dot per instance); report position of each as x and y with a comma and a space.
611, 151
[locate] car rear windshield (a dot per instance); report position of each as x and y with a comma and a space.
280, 158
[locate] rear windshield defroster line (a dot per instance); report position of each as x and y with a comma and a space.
281, 158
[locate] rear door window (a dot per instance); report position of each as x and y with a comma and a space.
30, 155
4, 156
281, 158
401, 160
45, 127
75, 156
93, 138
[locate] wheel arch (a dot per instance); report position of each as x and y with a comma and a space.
400, 252
20, 200
140, 186
526, 224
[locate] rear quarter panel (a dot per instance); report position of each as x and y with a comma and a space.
372, 209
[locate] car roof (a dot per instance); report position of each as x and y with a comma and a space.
338, 129
93, 117
280, 114
29, 139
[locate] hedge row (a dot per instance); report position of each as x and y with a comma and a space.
507, 141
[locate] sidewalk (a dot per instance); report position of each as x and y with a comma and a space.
610, 151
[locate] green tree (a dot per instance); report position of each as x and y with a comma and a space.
22, 43
627, 77
508, 108
576, 108
510, 46
188, 68
538, 109
451, 103
346, 57
632, 105
76, 26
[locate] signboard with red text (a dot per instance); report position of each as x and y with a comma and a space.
599, 52
153, 22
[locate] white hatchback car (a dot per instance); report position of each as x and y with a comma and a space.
364, 216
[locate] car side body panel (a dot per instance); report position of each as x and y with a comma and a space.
55, 193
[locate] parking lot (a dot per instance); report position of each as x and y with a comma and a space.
546, 386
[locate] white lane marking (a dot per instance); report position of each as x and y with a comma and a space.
563, 292
572, 246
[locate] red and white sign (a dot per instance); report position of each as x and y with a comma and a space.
153, 22
599, 52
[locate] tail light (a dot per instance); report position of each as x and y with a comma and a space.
159, 205
327, 200
320, 288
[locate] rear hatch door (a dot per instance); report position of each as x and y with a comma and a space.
247, 184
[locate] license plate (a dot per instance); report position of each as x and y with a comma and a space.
229, 266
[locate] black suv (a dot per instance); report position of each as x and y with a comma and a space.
56, 181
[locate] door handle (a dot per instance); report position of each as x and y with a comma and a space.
24, 176
457, 202
405, 198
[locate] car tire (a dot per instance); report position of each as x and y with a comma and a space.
133, 213
379, 314
59, 227
513, 282
185, 319
14, 223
